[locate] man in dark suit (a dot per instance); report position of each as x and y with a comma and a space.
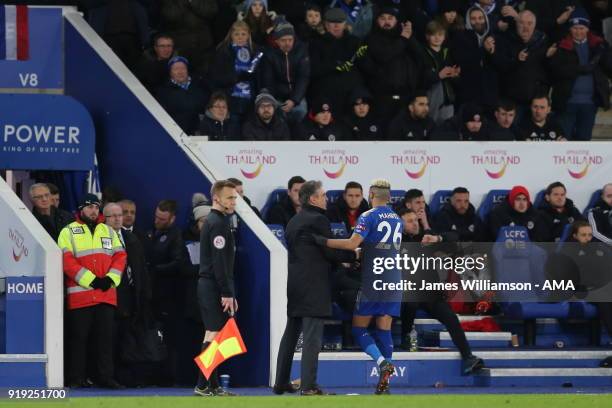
308, 289
129, 219
51, 218
133, 295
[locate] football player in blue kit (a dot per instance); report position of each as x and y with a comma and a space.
379, 234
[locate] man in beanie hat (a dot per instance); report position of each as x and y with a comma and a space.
517, 210
94, 261
319, 124
286, 72
334, 59
362, 123
266, 123
392, 63
581, 67
469, 124
183, 99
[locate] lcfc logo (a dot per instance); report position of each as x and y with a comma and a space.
19, 248
250, 161
415, 162
495, 162
578, 162
333, 161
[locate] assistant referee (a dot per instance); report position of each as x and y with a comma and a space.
216, 284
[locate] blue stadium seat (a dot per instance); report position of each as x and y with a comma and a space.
438, 199
334, 195
539, 199
565, 236
492, 198
397, 195
517, 261
594, 197
274, 197
279, 232
339, 230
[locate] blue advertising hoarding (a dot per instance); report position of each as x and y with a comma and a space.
43, 66
25, 311
45, 132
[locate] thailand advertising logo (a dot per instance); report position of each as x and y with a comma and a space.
415, 162
250, 161
495, 162
333, 161
577, 162
19, 248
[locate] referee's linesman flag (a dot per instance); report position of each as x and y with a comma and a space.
228, 343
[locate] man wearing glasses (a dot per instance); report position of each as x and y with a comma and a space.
52, 219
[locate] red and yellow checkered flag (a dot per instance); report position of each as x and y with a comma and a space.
228, 343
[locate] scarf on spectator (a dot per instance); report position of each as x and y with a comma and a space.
242, 63
185, 85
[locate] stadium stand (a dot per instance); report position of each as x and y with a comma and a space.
147, 151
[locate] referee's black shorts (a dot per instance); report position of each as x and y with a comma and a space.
209, 299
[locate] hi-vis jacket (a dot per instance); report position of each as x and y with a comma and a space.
87, 257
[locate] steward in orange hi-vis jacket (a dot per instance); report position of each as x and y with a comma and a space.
94, 260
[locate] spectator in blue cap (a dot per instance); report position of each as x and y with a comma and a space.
183, 99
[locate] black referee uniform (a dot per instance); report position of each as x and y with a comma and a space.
217, 250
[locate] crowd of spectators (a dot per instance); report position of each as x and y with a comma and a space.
345, 69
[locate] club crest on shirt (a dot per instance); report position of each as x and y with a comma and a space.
243, 55
219, 242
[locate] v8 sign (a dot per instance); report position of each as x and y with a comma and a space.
33, 56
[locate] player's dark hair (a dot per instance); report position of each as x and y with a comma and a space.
170, 206
554, 185
577, 225
308, 189
412, 194
236, 181
53, 188
403, 211
543, 96
460, 190
417, 94
506, 104
295, 180
353, 184
220, 185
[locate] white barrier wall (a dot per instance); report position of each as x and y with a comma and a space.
26, 249
429, 166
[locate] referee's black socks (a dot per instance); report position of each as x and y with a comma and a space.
202, 381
